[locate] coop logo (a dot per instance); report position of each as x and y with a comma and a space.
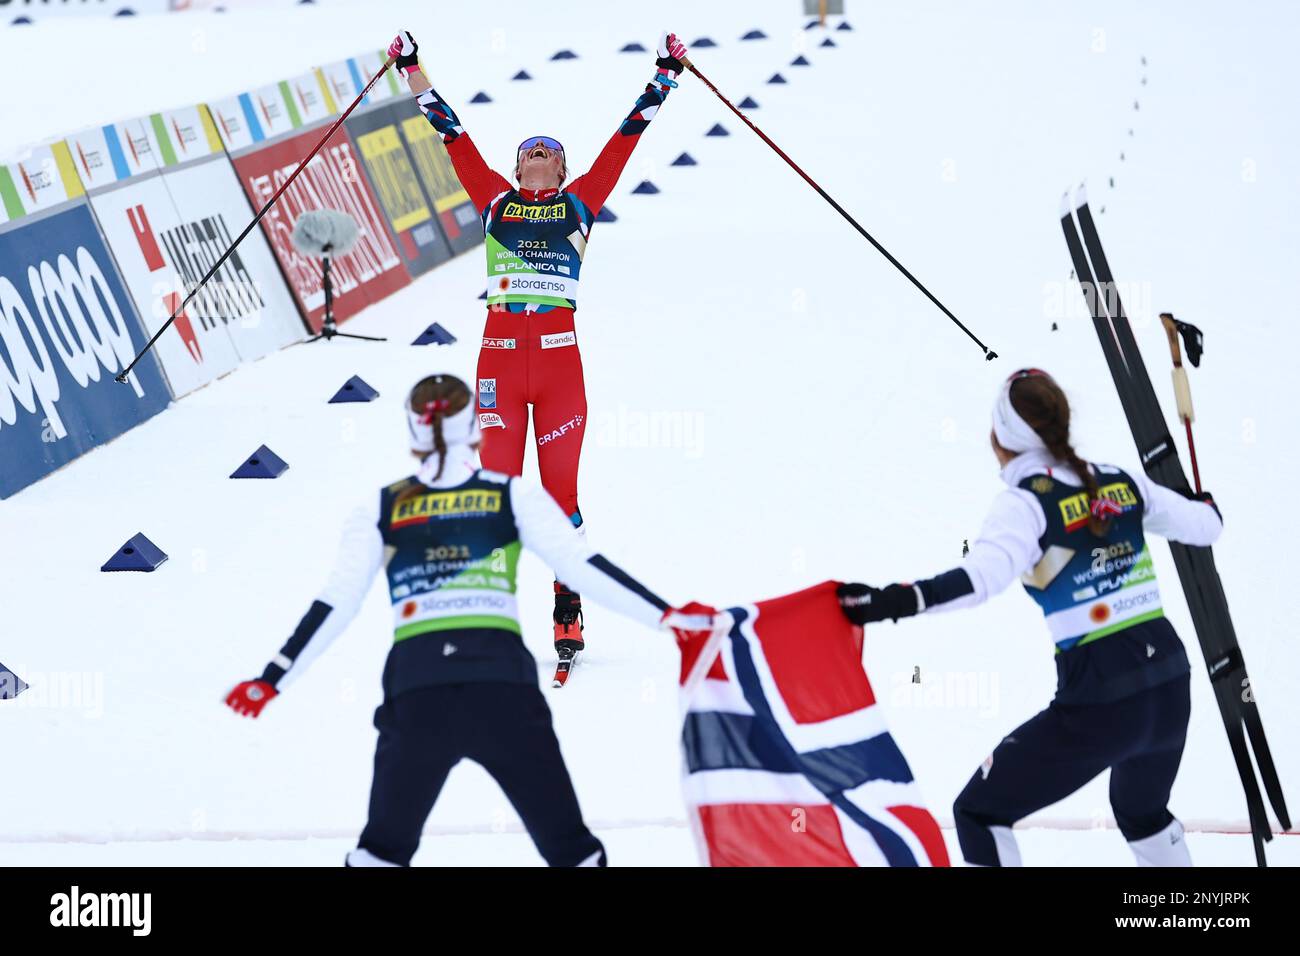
487, 393
91, 337
498, 343
559, 341
570, 426
74, 909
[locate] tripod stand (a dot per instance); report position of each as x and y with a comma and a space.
328, 329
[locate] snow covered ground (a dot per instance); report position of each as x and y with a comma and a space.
770, 405
648, 845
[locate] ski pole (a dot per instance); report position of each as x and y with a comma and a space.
988, 353
1182, 391
256, 219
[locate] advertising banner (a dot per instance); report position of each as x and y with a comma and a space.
344, 81
134, 216
310, 97
97, 157
236, 122
390, 85
184, 135
170, 208
332, 180
42, 180
103, 155
67, 327
389, 167
248, 294
456, 214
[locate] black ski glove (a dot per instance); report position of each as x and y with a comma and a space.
863, 604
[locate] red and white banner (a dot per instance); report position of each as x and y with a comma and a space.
332, 180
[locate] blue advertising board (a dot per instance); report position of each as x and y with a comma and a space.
67, 326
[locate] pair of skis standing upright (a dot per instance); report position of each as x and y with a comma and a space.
1196, 569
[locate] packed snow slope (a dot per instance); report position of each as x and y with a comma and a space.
771, 404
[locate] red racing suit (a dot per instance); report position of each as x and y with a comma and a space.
535, 242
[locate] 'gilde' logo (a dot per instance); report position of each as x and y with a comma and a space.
73, 324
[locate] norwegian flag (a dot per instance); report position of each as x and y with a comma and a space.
787, 758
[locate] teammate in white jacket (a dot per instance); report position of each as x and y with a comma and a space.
1073, 532
459, 682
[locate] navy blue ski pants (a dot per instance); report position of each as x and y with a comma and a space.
1139, 737
506, 729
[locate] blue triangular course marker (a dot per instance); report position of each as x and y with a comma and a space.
748, 103
810, 24
776, 78
355, 389
522, 75
565, 55
755, 35
844, 26
11, 685
483, 294
262, 463
631, 48
20, 21
138, 554
436, 334
480, 97
685, 159
606, 215
645, 188
718, 130
800, 60
703, 43
827, 42
125, 12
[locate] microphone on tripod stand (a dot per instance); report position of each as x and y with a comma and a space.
323, 234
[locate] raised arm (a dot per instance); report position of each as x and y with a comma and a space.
594, 186
481, 182
359, 559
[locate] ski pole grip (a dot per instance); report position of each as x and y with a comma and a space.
1171, 332
686, 62
1183, 395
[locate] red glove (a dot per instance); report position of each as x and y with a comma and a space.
248, 698
405, 52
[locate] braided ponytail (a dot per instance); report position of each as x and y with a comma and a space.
434, 398
1043, 405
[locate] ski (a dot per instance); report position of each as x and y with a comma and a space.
1200, 580
567, 658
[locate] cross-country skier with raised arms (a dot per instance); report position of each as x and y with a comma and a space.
536, 235
1074, 533
459, 682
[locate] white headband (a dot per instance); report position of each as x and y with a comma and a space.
1013, 432
459, 429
